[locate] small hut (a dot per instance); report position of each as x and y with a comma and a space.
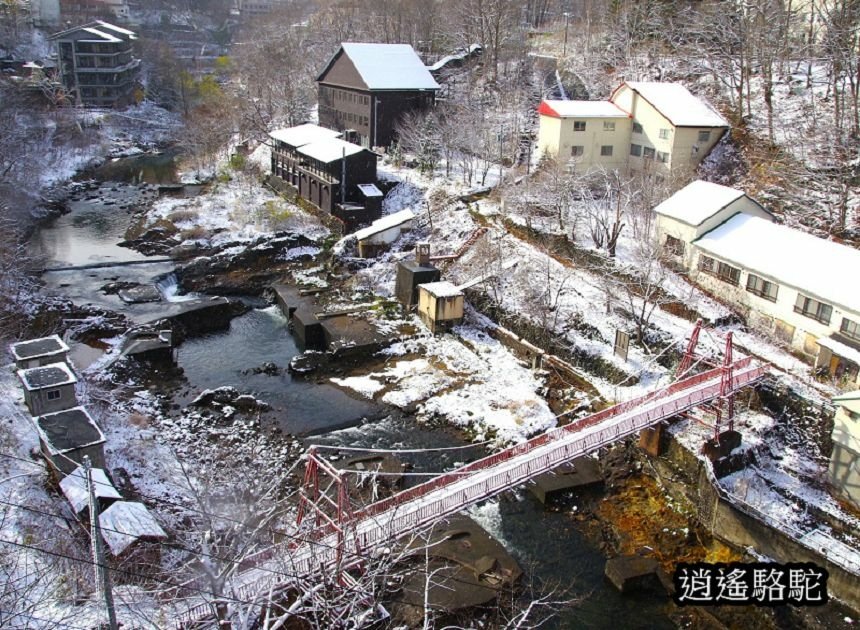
74, 488
49, 388
38, 352
129, 529
440, 305
66, 436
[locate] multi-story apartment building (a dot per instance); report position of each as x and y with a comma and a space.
788, 283
365, 89
644, 126
97, 64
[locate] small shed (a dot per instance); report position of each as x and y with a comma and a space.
38, 352
127, 524
48, 388
440, 305
66, 436
372, 197
74, 488
383, 232
412, 273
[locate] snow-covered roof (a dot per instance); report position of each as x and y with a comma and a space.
329, 150
385, 223
370, 190
104, 31
116, 29
304, 134
388, 66
818, 268
51, 375
581, 109
102, 36
125, 522
677, 104
698, 201
68, 430
74, 487
460, 55
442, 289
841, 349
850, 401
37, 348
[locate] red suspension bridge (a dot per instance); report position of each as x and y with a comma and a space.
341, 538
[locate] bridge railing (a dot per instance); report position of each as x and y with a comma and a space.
321, 551
539, 441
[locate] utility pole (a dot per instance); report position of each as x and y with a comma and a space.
102, 574
566, 22
343, 178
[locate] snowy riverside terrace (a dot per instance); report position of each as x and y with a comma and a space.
429, 315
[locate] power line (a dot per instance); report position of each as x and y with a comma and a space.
89, 561
58, 624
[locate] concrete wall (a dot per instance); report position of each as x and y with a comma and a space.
66, 467
684, 474
688, 150
39, 404
845, 460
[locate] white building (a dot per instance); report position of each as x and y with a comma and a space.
644, 126
845, 459
800, 288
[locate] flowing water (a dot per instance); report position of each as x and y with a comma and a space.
258, 337
545, 543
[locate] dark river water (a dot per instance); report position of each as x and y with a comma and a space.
545, 543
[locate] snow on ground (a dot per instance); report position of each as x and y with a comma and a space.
784, 484
467, 379
237, 210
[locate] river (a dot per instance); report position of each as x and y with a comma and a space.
546, 543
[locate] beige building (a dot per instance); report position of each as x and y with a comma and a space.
788, 283
644, 126
440, 305
845, 459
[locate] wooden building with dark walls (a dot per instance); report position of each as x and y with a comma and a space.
365, 89
327, 171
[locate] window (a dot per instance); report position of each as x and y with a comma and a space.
664, 134
850, 328
819, 311
576, 151
637, 128
606, 150
727, 273
707, 264
704, 136
608, 126
53, 394
663, 157
762, 288
636, 149
648, 153
579, 125
674, 246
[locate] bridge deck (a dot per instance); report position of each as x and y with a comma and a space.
417, 508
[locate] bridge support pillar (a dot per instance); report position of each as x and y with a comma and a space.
651, 440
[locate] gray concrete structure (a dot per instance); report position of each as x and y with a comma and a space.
66, 436
48, 388
38, 352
